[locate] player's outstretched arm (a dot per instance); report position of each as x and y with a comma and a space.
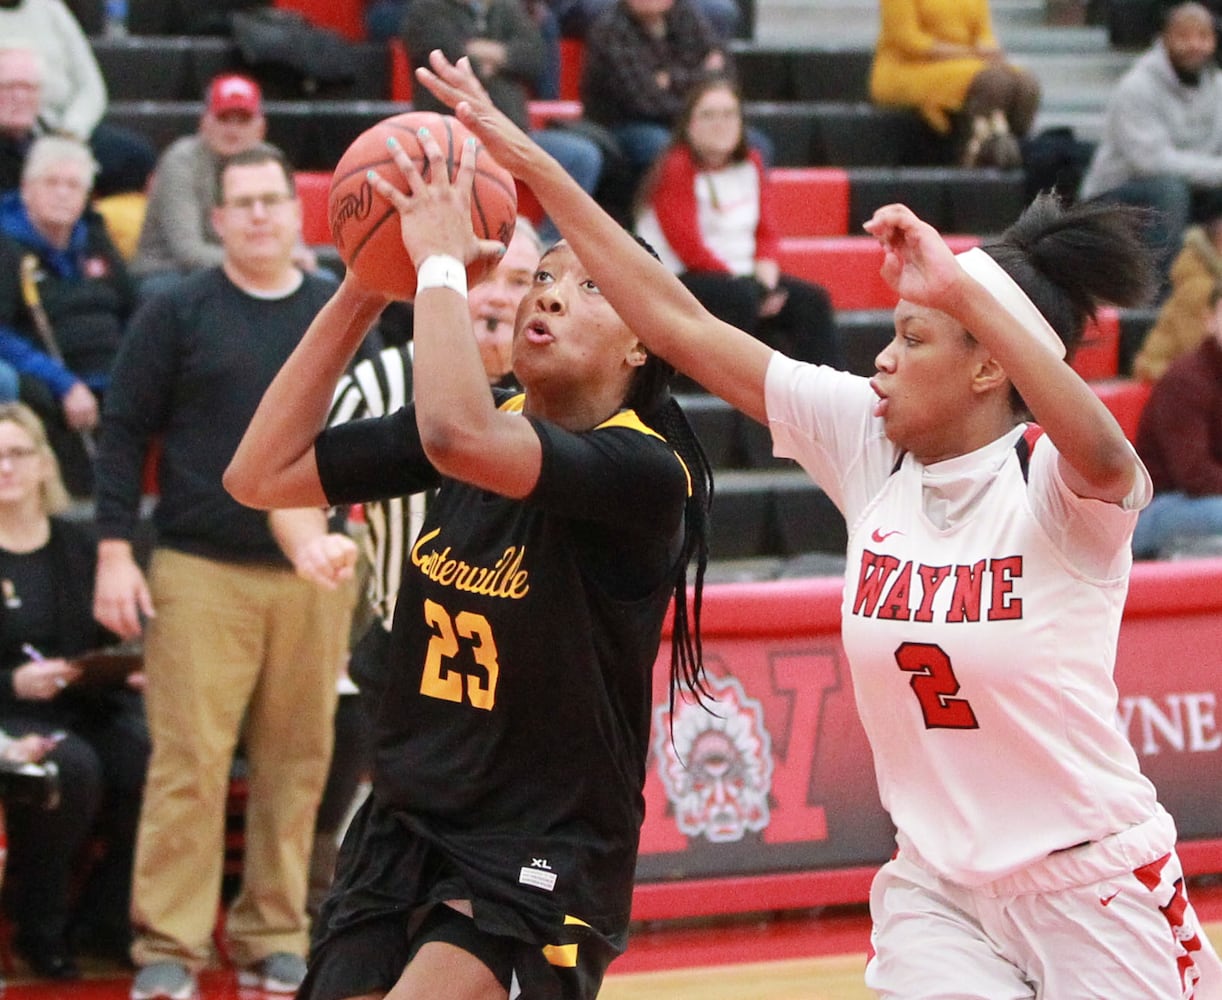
1096, 460
654, 303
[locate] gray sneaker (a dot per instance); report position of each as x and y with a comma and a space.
280, 972
164, 981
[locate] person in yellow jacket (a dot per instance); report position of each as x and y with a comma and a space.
1183, 321
941, 58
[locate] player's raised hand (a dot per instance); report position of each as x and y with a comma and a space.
435, 214
456, 85
919, 266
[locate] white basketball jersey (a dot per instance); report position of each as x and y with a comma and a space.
981, 611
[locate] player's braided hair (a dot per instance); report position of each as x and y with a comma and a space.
650, 397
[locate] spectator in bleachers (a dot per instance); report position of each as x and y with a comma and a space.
177, 237
577, 16
546, 84
74, 93
383, 19
236, 643
20, 97
506, 50
941, 58
641, 59
1184, 317
705, 207
1179, 437
65, 298
96, 734
1162, 137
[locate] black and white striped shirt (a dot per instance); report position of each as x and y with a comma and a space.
376, 387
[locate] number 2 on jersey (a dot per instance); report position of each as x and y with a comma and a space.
933, 683
439, 681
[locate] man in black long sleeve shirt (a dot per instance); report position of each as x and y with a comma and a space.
235, 642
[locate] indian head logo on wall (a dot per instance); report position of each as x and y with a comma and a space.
717, 770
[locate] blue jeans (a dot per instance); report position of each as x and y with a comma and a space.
9, 383
1175, 518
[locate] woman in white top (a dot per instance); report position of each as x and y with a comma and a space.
706, 207
988, 565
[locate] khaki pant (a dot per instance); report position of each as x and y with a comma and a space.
234, 651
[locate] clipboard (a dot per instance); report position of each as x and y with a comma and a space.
106, 667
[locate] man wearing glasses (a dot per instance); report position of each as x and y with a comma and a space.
236, 644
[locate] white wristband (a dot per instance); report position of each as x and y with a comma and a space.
442, 271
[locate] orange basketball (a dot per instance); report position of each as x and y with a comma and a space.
365, 226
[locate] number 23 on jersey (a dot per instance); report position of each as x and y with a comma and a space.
450, 634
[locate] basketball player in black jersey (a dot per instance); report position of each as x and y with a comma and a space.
495, 857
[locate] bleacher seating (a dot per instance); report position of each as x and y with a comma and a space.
807, 72
313, 186
838, 158
848, 267
1125, 398
811, 201
344, 16
572, 54
178, 68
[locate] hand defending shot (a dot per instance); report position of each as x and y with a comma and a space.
919, 266
456, 85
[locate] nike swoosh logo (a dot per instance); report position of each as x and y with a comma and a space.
882, 536
1108, 899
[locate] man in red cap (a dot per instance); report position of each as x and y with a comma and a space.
177, 237
229, 93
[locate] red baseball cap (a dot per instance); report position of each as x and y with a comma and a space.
231, 92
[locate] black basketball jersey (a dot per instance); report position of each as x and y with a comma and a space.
514, 730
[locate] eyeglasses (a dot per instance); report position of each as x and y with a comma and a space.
16, 455
60, 181
247, 202
717, 114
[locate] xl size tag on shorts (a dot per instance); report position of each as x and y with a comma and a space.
538, 874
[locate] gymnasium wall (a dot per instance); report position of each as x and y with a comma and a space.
777, 807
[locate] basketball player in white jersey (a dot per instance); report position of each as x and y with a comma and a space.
990, 498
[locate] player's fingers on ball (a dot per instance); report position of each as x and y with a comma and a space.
466, 165
383, 187
406, 165
438, 173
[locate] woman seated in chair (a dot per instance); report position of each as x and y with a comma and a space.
96, 736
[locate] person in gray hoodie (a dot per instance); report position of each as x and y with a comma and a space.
1162, 138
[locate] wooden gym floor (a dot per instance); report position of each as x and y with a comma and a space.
816, 955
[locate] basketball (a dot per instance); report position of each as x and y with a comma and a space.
365, 226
